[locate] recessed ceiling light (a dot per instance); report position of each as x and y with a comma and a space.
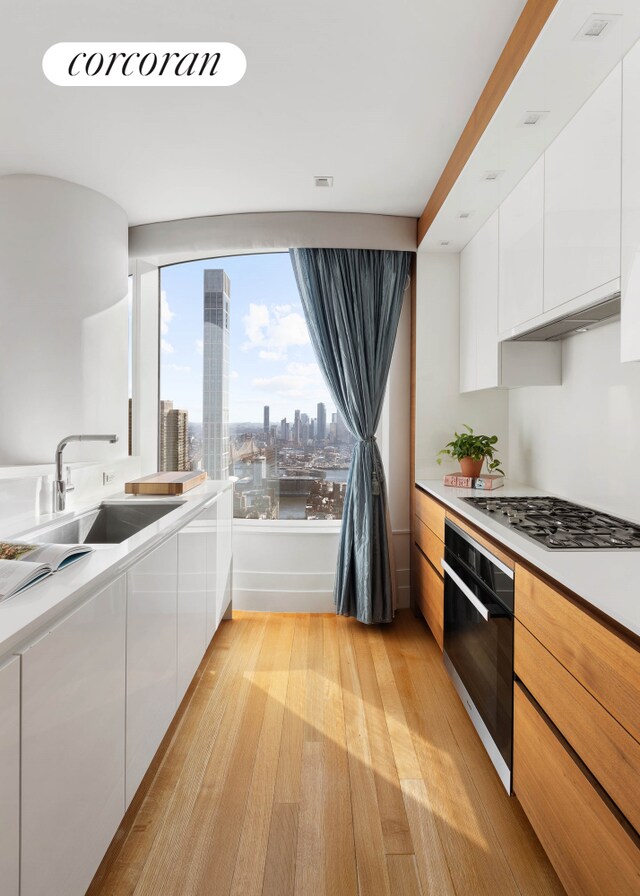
444, 242
465, 214
596, 27
532, 118
323, 181
492, 175
582, 330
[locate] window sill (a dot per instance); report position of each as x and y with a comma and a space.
278, 527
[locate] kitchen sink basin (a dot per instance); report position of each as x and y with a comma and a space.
105, 524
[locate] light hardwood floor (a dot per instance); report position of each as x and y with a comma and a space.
314, 755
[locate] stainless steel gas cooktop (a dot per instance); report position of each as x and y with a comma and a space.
561, 525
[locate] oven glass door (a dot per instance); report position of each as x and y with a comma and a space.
481, 651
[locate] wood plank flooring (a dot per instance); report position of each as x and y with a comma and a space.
313, 755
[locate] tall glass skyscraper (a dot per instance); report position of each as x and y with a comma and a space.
216, 455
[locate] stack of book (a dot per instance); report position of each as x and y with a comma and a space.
487, 482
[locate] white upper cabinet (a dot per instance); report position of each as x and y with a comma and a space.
10, 777
484, 362
582, 201
521, 251
479, 309
630, 274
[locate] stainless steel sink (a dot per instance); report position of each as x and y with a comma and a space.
105, 524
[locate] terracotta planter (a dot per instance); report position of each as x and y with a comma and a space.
471, 467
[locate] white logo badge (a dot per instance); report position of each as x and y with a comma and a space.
144, 65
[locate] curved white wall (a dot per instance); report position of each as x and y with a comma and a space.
63, 312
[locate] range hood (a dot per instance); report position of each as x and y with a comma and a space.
585, 319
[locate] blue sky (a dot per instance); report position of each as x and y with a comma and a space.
272, 361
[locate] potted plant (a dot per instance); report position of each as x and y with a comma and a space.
470, 450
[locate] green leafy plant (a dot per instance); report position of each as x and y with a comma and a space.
468, 444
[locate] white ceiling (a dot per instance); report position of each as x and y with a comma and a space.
373, 92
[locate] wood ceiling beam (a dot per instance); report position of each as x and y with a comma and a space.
525, 33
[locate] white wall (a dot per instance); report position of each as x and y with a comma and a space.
580, 440
63, 339
440, 408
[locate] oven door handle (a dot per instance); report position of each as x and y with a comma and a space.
468, 593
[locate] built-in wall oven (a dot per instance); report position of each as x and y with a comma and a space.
478, 641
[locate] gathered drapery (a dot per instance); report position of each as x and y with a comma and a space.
352, 300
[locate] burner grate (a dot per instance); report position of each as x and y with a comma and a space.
561, 525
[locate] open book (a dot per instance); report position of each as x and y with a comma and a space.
22, 565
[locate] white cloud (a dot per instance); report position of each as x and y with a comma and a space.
166, 347
300, 381
234, 375
274, 330
200, 346
166, 314
256, 324
179, 368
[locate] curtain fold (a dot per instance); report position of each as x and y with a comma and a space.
352, 300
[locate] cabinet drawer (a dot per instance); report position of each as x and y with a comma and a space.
606, 748
591, 851
429, 594
603, 661
430, 512
429, 543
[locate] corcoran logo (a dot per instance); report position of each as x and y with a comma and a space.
144, 65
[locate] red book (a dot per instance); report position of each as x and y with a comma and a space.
487, 482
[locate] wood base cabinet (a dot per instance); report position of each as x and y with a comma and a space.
10, 777
593, 851
73, 743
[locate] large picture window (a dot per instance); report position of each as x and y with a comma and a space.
241, 392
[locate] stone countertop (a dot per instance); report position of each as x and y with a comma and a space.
609, 580
28, 614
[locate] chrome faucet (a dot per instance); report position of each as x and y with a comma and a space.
60, 485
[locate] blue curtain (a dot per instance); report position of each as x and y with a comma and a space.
352, 300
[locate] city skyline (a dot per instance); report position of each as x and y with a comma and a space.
271, 359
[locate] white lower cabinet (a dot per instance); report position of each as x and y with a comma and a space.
152, 598
224, 564
192, 604
10, 777
73, 736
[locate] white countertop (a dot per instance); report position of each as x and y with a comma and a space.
607, 579
28, 614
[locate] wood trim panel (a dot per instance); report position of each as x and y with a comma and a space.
522, 38
429, 543
478, 536
430, 512
589, 848
429, 594
606, 663
606, 748
412, 423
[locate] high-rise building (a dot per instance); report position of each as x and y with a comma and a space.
284, 429
174, 438
321, 427
216, 454
265, 420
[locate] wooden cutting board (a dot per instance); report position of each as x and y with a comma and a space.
165, 483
